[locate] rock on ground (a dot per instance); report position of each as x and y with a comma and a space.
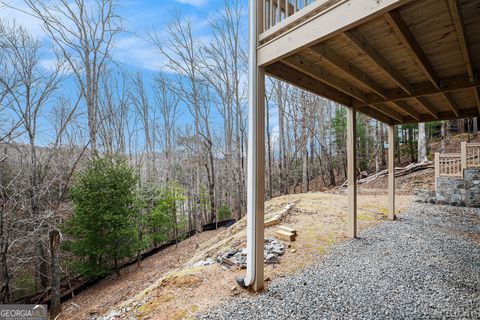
426, 265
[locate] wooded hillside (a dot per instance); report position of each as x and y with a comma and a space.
173, 147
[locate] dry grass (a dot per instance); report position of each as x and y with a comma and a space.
320, 221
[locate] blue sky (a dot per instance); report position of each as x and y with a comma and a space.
132, 50
140, 15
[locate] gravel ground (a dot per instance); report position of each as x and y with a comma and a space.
425, 265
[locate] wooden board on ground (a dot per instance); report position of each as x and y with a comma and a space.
284, 235
288, 229
271, 222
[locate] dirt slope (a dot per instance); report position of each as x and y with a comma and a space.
112, 291
167, 286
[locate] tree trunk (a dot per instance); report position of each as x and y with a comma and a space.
382, 144
42, 277
444, 135
117, 267
378, 148
269, 152
410, 144
281, 132
305, 171
55, 307
5, 276
422, 143
304, 147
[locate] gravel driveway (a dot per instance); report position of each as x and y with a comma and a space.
425, 265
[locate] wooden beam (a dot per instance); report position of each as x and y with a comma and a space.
410, 42
427, 106
408, 109
455, 83
476, 92
457, 18
342, 64
388, 111
295, 17
444, 115
359, 41
452, 104
321, 26
292, 76
391, 172
320, 74
351, 171
373, 113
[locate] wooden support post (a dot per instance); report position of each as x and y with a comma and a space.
391, 172
351, 172
256, 154
463, 151
437, 168
437, 165
259, 284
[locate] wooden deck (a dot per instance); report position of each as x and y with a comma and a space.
397, 61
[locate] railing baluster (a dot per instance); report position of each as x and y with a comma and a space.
279, 12
271, 14
265, 15
274, 13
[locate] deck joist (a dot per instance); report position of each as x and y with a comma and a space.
397, 61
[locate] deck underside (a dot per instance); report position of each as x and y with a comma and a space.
414, 61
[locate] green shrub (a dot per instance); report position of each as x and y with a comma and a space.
164, 218
103, 227
224, 213
23, 284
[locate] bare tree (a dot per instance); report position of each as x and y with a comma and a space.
38, 188
422, 143
148, 120
27, 101
182, 53
167, 103
83, 31
113, 112
222, 67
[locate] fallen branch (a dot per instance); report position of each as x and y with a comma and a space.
399, 171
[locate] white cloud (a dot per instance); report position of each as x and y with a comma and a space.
10, 13
195, 3
48, 64
138, 53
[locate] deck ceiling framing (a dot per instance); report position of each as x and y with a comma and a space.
387, 63
397, 61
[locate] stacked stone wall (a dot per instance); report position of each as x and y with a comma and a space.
454, 191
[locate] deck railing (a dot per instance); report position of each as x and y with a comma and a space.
471, 155
280, 16
453, 164
277, 11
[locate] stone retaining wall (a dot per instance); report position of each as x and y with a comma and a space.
472, 187
454, 191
